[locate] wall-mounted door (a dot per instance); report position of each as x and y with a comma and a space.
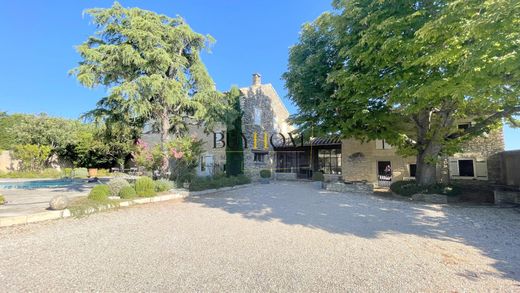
384, 173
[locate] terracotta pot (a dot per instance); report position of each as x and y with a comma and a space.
92, 172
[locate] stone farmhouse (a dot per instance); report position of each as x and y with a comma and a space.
264, 114
268, 145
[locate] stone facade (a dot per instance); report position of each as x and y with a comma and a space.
360, 160
265, 115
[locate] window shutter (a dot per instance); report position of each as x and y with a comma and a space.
379, 144
386, 145
454, 167
481, 170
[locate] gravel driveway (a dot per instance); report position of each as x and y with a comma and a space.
276, 237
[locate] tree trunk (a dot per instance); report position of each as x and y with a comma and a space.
426, 172
165, 129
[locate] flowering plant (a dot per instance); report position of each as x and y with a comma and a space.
186, 152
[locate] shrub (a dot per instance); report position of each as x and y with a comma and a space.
2, 200
317, 176
99, 193
103, 172
66, 172
163, 185
116, 184
265, 173
127, 192
145, 187
80, 173
32, 156
203, 183
46, 173
409, 188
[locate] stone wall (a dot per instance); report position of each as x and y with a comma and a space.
349, 188
285, 176
7, 163
508, 166
511, 197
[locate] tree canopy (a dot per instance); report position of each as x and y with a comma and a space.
151, 64
406, 71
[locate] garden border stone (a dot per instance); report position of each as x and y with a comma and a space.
54, 215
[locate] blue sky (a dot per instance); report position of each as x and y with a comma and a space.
38, 39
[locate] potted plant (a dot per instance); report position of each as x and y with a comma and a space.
92, 172
317, 179
264, 176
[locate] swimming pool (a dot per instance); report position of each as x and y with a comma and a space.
41, 184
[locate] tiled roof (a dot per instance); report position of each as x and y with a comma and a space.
316, 141
334, 140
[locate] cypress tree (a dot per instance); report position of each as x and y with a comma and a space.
234, 145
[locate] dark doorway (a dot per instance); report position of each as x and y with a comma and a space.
384, 173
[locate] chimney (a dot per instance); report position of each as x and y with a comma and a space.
257, 79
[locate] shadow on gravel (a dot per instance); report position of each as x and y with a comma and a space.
493, 231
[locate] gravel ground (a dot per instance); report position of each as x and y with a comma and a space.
276, 237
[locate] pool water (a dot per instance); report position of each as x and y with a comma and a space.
41, 184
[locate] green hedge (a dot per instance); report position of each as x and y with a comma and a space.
203, 183
46, 173
99, 193
145, 187
409, 188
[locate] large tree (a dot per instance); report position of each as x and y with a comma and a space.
151, 64
406, 71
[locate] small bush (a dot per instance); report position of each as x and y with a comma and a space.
163, 185
409, 188
127, 192
2, 200
116, 184
145, 187
265, 173
99, 193
318, 176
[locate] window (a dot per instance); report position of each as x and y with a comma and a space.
381, 144
466, 168
329, 161
259, 157
413, 170
258, 116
